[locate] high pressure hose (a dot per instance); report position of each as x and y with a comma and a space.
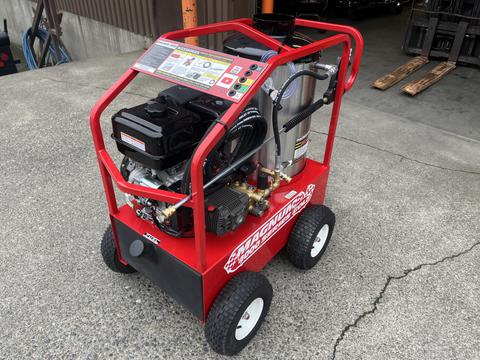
30, 57
267, 86
247, 133
298, 117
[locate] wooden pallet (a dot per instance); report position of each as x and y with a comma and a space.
400, 73
438, 72
442, 69
430, 78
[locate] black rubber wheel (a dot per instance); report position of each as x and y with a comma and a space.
310, 236
238, 312
109, 253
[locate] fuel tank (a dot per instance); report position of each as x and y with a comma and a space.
298, 96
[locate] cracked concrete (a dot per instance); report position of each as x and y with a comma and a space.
404, 186
402, 157
380, 296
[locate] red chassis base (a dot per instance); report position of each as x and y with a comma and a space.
194, 270
249, 247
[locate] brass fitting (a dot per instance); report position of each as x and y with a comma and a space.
285, 177
256, 195
253, 196
269, 172
276, 174
169, 211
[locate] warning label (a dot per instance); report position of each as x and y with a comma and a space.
186, 64
301, 147
132, 141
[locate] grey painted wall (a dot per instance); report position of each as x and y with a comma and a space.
83, 37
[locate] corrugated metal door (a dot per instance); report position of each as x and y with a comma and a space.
134, 15
155, 17
211, 11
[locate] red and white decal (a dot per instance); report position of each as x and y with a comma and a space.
129, 139
236, 70
227, 80
269, 228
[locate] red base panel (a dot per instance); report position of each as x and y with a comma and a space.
252, 245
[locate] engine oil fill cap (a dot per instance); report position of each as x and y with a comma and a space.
156, 110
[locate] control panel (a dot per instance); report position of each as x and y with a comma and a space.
212, 72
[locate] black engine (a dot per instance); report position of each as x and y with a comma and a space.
158, 139
162, 132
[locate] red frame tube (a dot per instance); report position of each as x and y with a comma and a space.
109, 170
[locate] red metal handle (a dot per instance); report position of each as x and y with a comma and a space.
354, 33
240, 25
107, 166
244, 26
110, 172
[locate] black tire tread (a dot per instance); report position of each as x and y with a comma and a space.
109, 253
227, 306
300, 240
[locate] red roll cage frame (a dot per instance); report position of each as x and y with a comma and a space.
109, 170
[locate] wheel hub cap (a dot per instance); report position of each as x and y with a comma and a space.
249, 319
320, 241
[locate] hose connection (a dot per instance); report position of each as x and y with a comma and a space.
258, 196
330, 69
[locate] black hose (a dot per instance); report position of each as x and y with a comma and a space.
247, 133
302, 115
277, 104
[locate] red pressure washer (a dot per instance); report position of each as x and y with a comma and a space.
215, 173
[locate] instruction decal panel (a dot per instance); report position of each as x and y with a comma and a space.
218, 74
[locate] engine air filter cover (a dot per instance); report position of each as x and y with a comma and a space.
157, 135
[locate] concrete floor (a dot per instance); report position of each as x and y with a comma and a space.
400, 279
